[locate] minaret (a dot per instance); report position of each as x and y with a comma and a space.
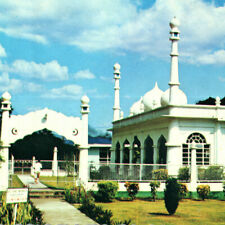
174, 76
116, 108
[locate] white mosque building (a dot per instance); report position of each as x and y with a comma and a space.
162, 127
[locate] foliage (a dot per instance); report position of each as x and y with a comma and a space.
160, 174
97, 213
74, 194
183, 190
154, 185
172, 195
183, 173
132, 189
102, 173
26, 213
224, 188
211, 173
107, 191
203, 191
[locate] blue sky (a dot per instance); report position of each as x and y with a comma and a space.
52, 52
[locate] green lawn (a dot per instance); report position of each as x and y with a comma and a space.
191, 212
15, 182
60, 182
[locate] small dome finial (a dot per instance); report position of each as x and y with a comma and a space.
6, 96
85, 100
174, 22
116, 68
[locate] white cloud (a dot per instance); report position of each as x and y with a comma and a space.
84, 74
118, 25
49, 71
72, 91
33, 87
7, 84
2, 51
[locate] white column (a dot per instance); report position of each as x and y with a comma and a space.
32, 167
116, 107
12, 164
4, 148
174, 76
174, 151
55, 163
194, 175
83, 161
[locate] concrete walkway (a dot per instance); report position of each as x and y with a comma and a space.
58, 212
55, 211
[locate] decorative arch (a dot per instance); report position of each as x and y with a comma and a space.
162, 157
136, 150
202, 149
126, 151
148, 151
117, 156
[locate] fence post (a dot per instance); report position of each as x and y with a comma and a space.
55, 163
193, 167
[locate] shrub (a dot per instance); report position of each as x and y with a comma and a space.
224, 188
154, 185
183, 190
160, 174
211, 173
203, 191
171, 195
107, 191
183, 174
132, 189
74, 194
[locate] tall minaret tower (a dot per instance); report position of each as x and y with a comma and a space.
174, 76
116, 107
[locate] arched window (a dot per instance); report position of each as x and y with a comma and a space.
126, 151
202, 150
136, 150
117, 158
162, 159
148, 151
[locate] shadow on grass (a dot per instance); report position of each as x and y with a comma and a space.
163, 214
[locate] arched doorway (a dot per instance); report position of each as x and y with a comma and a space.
162, 149
148, 151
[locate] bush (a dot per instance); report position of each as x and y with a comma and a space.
211, 173
224, 188
203, 191
183, 191
97, 213
183, 174
172, 195
132, 189
74, 194
160, 174
154, 185
107, 191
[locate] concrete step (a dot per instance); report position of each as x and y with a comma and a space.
46, 193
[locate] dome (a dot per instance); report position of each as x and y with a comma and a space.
174, 22
6, 96
85, 100
181, 98
152, 99
137, 108
116, 68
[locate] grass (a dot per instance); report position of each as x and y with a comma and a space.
59, 183
141, 212
15, 182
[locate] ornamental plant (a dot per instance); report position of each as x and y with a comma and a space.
74, 194
203, 191
183, 190
224, 188
172, 195
183, 173
154, 185
132, 189
160, 174
107, 191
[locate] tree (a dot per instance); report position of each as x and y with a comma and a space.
172, 195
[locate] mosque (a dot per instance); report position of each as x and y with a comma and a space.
162, 127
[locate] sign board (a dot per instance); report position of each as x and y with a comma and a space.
16, 195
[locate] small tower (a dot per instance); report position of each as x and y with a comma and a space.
174, 76
116, 108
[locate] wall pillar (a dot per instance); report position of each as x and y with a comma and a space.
4, 145
55, 163
12, 164
194, 174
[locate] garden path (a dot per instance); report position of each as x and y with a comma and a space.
56, 211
